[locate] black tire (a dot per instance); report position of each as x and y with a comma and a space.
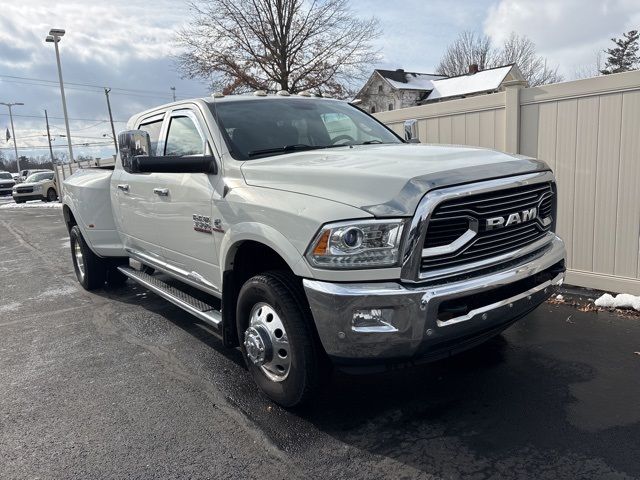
18, 201
93, 272
115, 278
283, 292
52, 196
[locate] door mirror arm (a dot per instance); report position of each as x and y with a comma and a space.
174, 164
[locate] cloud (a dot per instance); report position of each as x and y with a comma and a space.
118, 44
568, 32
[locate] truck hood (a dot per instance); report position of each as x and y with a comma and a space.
384, 180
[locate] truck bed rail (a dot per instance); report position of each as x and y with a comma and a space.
64, 170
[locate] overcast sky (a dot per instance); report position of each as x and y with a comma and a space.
128, 45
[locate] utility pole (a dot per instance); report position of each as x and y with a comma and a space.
54, 37
173, 91
13, 132
46, 118
113, 130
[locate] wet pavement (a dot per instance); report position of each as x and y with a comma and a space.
121, 384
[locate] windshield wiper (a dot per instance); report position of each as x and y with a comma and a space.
297, 147
287, 148
369, 142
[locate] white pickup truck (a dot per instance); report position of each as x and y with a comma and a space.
309, 234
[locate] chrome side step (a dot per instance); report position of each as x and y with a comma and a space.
195, 307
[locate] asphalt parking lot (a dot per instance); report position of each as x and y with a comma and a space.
121, 384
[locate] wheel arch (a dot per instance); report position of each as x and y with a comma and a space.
247, 253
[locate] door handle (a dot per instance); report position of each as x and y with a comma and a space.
124, 187
163, 192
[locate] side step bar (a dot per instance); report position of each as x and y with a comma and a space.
195, 307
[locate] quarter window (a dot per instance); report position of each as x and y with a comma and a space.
183, 138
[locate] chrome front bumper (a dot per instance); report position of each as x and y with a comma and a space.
417, 326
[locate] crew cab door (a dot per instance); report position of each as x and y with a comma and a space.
183, 211
135, 201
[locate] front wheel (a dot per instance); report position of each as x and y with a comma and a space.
52, 196
277, 338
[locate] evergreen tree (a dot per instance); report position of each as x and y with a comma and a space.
624, 57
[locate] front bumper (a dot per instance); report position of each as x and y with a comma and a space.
430, 322
25, 197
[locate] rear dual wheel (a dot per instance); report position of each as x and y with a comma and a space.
91, 270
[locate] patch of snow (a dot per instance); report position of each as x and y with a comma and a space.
415, 81
58, 292
559, 298
9, 307
32, 204
485, 80
623, 300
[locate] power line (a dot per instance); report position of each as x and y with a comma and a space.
37, 147
139, 91
62, 118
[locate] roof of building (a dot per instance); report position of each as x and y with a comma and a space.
438, 87
484, 81
401, 80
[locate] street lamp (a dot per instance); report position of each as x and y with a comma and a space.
13, 132
55, 34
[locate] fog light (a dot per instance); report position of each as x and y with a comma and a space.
373, 320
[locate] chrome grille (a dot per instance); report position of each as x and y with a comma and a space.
451, 218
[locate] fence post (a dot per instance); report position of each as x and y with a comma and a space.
512, 115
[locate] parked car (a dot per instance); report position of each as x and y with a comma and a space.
27, 173
37, 186
308, 234
6, 183
16, 177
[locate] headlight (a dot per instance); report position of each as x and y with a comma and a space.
357, 244
37, 188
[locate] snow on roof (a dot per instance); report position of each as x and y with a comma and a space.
401, 80
483, 81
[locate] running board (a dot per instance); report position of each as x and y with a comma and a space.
195, 307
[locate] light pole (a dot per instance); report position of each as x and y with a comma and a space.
13, 132
54, 37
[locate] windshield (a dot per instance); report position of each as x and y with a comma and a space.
257, 128
39, 177
5, 176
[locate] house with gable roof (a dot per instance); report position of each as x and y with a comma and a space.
392, 89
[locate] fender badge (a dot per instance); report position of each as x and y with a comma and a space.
202, 224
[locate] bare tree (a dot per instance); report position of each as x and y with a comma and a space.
590, 70
293, 45
470, 48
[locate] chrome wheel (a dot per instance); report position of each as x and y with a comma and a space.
267, 344
77, 254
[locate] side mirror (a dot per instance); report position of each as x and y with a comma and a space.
133, 143
411, 131
185, 164
135, 149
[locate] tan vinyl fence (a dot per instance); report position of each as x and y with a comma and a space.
588, 131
